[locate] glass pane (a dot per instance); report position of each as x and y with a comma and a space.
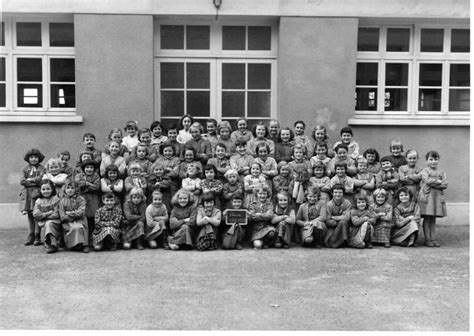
460, 40
172, 103
197, 37
398, 39
29, 70
260, 38
459, 100
62, 70
368, 39
233, 76
30, 95
459, 75
233, 38
172, 75
172, 37
198, 75
63, 95
198, 103
233, 104
432, 40
430, 74
396, 74
260, 76
367, 73
2, 95
61, 34
429, 100
396, 99
366, 99
259, 104
28, 34
2, 34
2, 69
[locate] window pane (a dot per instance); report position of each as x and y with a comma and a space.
460, 40
233, 38
63, 95
396, 74
197, 75
233, 104
30, 95
28, 34
430, 74
459, 75
172, 75
61, 34
198, 103
429, 100
432, 40
2, 95
366, 99
398, 39
172, 103
396, 99
62, 70
29, 70
197, 37
2, 69
459, 100
2, 34
259, 104
367, 74
259, 76
368, 39
233, 76
172, 37
260, 38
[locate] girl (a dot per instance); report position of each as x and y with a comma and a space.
302, 139
192, 183
53, 173
221, 161
321, 182
156, 216
320, 135
144, 136
311, 219
157, 180
283, 220
133, 223
260, 132
252, 182
64, 158
207, 221
140, 155
134, 179
410, 174
131, 140
235, 232
431, 197
72, 212
362, 221
211, 135
273, 130
387, 178
89, 187
31, 182
373, 158
284, 146
407, 219
83, 156
189, 158
46, 213
116, 135
320, 156
231, 188
383, 218
185, 122
107, 224
113, 158
242, 132
284, 180
341, 157
301, 171
172, 134
396, 157
182, 220
170, 163
337, 218
261, 214
112, 183
201, 146
343, 179
364, 182
348, 140
268, 164
242, 160
211, 185
157, 136
223, 130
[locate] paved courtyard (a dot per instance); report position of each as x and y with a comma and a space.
396, 289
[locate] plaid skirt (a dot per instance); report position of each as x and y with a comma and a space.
100, 233
382, 232
207, 242
133, 231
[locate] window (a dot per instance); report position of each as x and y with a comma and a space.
37, 79
413, 71
215, 70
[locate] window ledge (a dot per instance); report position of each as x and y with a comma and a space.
409, 121
41, 119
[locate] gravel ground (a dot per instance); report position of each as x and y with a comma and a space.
396, 289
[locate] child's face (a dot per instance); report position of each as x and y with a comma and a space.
404, 197
145, 137
54, 169
255, 170
141, 152
298, 154
319, 172
183, 200
282, 201
236, 203
432, 162
285, 171
337, 194
158, 171
285, 136
135, 172
225, 133
260, 131
380, 199
89, 141
341, 154
136, 199
208, 204
321, 151
210, 175
85, 157
312, 198
412, 158
396, 150
220, 152
319, 135
370, 157
46, 190
299, 129
361, 204
232, 178
362, 167
70, 190
188, 156
172, 134
89, 170
64, 160
114, 148
263, 152
186, 123
167, 152
131, 131
242, 125
340, 171
116, 137
262, 195
241, 149
191, 171
386, 165
157, 200
273, 128
109, 202
211, 128
112, 175
346, 138
33, 160
195, 133
157, 131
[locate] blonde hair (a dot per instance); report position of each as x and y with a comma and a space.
137, 191
231, 172
51, 162
191, 197
134, 165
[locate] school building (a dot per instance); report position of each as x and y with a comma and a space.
387, 68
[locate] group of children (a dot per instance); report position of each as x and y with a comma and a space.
181, 188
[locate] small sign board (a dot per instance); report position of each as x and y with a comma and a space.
236, 216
